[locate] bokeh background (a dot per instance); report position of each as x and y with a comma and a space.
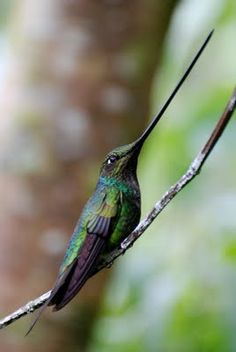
78, 78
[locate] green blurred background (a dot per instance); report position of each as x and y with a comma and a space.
78, 78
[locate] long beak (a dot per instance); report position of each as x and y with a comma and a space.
139, 142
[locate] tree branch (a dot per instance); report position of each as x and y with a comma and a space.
192, 171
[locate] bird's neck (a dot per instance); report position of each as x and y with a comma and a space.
127, 186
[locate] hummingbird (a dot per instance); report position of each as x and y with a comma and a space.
110, 214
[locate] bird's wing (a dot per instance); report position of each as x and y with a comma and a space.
99, 228
101, 219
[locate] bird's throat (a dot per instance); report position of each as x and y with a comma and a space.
123, 186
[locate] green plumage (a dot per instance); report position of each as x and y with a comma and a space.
112, 199
109, 216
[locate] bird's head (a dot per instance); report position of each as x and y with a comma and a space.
121, 161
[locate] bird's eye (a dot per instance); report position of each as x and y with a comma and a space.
111, 159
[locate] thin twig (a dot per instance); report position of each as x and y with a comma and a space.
192, 171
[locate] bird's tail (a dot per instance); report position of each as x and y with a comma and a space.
41, 310
50, 301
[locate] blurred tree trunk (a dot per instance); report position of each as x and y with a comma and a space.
77, 83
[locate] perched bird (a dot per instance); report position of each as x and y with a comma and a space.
109, 216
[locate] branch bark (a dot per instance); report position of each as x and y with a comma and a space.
193, 170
